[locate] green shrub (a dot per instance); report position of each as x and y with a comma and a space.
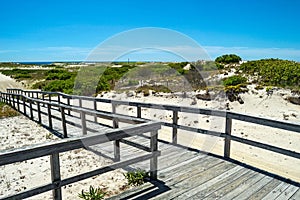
136, 178
228, 58
234, 80
92, 194
274, 72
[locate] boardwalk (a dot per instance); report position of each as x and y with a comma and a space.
182, 173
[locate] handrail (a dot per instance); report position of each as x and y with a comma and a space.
55, 148
228, 115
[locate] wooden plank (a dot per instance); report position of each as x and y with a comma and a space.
288, 193
296, 196
192, 179
213, 188
254, 188
265, 190
231, 185
205, 185
276, 191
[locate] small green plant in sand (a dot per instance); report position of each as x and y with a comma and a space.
136, 178
92, 194
7, 111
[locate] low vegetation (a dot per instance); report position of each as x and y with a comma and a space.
92, 194
136, 178
7, 111
273, 72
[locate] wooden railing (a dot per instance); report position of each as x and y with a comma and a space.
229, 117
138, 127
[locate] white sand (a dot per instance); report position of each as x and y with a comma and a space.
7, 82
20, 131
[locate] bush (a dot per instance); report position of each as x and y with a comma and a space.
136, 178
274, 72
92, 194
234, 80
228, 58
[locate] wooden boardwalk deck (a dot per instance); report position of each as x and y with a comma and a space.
182, 173
188, 174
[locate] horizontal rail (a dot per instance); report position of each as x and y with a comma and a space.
22, 154
228, 115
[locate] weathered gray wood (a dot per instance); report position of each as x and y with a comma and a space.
174, 130
139, 112
153, 161
55, 175
83, 123
296, 196
30, 109
19, 155
265, 121
63, 122
243, 186
265, 190
288, 193
228, 127
39, 113
210, 182
266, 147
210, 189
68, 102
254, 188
276, 191
95, 108
49, 116
136, 145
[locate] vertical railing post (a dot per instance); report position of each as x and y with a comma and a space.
18, 103
39, 112
83, 123
58, 98
63, 121
228, 127
14, 102
117, 153
49, 115
139, 111
24, 106
95, 108
55, 175
174, 130
80, 105
153, 160
68, 102
31, 111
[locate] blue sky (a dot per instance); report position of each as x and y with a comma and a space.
55, 30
